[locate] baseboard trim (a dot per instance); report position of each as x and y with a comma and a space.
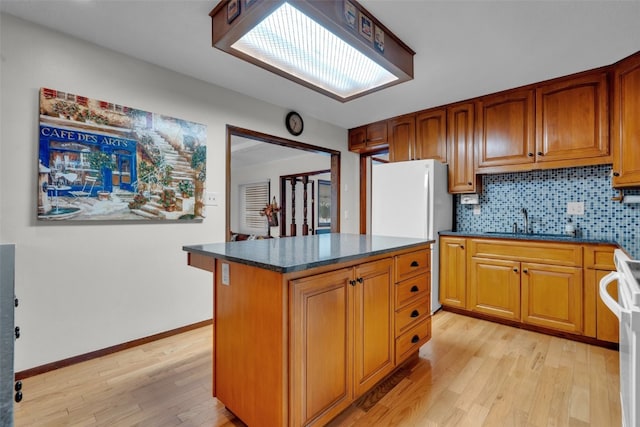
105, 351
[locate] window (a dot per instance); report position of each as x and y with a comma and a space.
253, 198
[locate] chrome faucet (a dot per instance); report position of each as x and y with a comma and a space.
526, 221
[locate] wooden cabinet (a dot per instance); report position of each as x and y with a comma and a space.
552, 296
460, 130
373, 324
371, 137
505, 130
335, 314
572, 121
412, 303
419, 136
494, 287
431, 134
600, 322
402, 138
626, 125
453, 272
544, 284
322, 333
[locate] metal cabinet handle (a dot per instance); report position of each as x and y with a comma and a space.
616, 174
360, 280
530, 154
414, 288
415, 264
17, 332
352, 282
515, 270
415, 339
525, 271
540, 153
415, 313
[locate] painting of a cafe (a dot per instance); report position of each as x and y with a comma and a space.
103, 161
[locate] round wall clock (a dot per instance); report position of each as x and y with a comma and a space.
294, 123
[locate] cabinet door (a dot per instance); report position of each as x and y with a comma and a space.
460, 127
453, 272
377, 134
494, 287
358, 139
373, 324
572, 121
626, 125
431, 135
505, 125
607, 324
402, 138
552, 296
321, 346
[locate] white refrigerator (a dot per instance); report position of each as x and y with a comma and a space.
410, 199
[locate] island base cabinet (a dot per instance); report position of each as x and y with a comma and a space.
321, 376
495, 288
552, 297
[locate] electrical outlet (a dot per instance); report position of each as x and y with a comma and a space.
476, 210
211, 199
575, 208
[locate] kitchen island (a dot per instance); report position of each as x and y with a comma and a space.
303, 326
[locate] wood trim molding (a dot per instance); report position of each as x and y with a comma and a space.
105, 351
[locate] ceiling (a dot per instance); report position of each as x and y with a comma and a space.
463, 48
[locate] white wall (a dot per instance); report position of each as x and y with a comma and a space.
88, 286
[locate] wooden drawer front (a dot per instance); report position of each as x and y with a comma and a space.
412, 264
412, 340
599, 257
411, 289
411, 314
529, 251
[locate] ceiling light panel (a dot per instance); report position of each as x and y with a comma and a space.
296, 44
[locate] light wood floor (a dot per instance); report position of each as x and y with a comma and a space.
472, 373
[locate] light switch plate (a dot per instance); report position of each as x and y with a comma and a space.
575, 208
476, 210
211, 198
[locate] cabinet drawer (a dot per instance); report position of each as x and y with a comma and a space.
599, 257
412, 313
528, 251
411, 340
411, 289
412, 264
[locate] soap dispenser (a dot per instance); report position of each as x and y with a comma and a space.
570, 228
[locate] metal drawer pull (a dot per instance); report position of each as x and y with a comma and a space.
415, 313
415, 339
414, 288
415, 264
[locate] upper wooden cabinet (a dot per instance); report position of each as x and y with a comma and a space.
626, 122
371, 137
402, 138
572, 121
505, 130
431, 134
460, 128
419, 136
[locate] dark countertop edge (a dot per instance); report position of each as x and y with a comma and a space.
537, 237
301, 267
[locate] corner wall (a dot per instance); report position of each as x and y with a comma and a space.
88, 286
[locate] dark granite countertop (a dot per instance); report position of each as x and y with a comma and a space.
291, 254
532, 236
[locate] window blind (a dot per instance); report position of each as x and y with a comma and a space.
254, 197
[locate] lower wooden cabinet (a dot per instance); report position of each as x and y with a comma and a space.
338, 317
494, 287
453, 272
552, 296
551, 285
322, 333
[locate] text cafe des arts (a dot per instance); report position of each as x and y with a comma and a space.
66, 152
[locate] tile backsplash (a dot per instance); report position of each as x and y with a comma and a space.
545, 194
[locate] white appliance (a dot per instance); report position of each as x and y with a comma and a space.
627, 310
410, 199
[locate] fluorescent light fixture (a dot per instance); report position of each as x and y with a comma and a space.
314, 44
